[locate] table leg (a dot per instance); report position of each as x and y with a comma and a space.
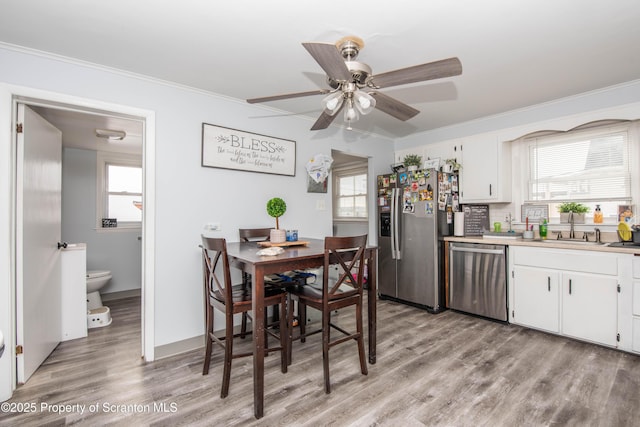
258, 342
371, 302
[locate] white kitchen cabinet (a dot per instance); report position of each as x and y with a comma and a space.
485, 176
590, 307
635, 305
536, 298
568, 292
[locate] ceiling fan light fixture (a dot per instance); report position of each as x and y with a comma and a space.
110, 134
350, 113
364, 102
332, 102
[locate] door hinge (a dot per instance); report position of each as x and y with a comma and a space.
618, 337
618, 287
513, 274
19, 128
513, 314
18, 349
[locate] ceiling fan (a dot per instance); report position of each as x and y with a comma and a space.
355, 88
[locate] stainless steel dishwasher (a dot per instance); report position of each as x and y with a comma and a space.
477, 279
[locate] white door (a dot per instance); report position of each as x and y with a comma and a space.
38, 197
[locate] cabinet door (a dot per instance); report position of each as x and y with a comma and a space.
536, 298
590, 307
479, 173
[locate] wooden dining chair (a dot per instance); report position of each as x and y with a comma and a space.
221, 294
346, 291
248, 235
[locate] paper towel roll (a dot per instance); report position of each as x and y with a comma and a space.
458, 223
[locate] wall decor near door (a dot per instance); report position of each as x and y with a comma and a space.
228, 148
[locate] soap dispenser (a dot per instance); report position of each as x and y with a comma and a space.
597, 215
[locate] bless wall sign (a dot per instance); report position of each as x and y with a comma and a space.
234, 149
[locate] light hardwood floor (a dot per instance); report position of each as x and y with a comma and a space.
448, 369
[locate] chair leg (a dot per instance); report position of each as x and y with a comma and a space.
243, 327
228, 356
289, 328
360, 340
284, 338
302, 320
326, 319
209, 342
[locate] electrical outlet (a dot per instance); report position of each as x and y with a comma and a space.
320, 206
212, 226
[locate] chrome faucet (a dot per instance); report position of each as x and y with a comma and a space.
572, 232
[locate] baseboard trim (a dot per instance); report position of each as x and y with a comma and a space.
179, 347
121, 294
190, 344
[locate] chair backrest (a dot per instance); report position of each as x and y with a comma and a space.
348, 254
248, 234
214, 255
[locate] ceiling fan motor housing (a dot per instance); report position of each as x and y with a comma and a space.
360, 74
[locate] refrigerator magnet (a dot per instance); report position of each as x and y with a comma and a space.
428, 208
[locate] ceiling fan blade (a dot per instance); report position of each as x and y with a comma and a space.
330, 59
324, 120
393, 107
419, 73
287, 95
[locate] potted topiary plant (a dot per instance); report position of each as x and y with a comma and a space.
578, 210
276, 207
412, 161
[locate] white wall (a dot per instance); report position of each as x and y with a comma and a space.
616, 102
516, 123
119, 252
188, 195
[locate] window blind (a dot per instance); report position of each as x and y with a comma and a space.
583, 166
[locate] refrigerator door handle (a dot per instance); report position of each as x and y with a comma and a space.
396, 234
393, 221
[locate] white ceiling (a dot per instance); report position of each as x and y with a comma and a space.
514, 53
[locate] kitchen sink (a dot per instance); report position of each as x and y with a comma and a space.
573, 242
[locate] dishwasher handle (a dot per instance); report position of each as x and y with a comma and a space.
477, 250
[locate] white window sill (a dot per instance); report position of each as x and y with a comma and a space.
125, 229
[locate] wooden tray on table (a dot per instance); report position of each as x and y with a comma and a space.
268, 244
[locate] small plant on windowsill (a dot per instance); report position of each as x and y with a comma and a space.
276, 207
579, 210
412, 161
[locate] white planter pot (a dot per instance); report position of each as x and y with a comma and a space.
413, 168
278, 236
578, 218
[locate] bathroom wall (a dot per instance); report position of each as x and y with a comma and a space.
118, 251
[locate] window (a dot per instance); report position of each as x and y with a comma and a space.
350, 193
590, 166
120, 190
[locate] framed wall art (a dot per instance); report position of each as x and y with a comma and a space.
228, 148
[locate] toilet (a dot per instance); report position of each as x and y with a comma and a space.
97, 314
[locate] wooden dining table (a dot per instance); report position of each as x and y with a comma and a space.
309, 253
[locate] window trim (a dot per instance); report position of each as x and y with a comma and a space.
520, 156
118, 159
345, 171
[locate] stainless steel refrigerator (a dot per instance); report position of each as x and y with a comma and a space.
415, 210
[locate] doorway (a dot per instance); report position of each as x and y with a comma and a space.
52, 103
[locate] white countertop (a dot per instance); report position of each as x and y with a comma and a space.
556, 244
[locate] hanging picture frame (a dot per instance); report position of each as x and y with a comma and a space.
228, 148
